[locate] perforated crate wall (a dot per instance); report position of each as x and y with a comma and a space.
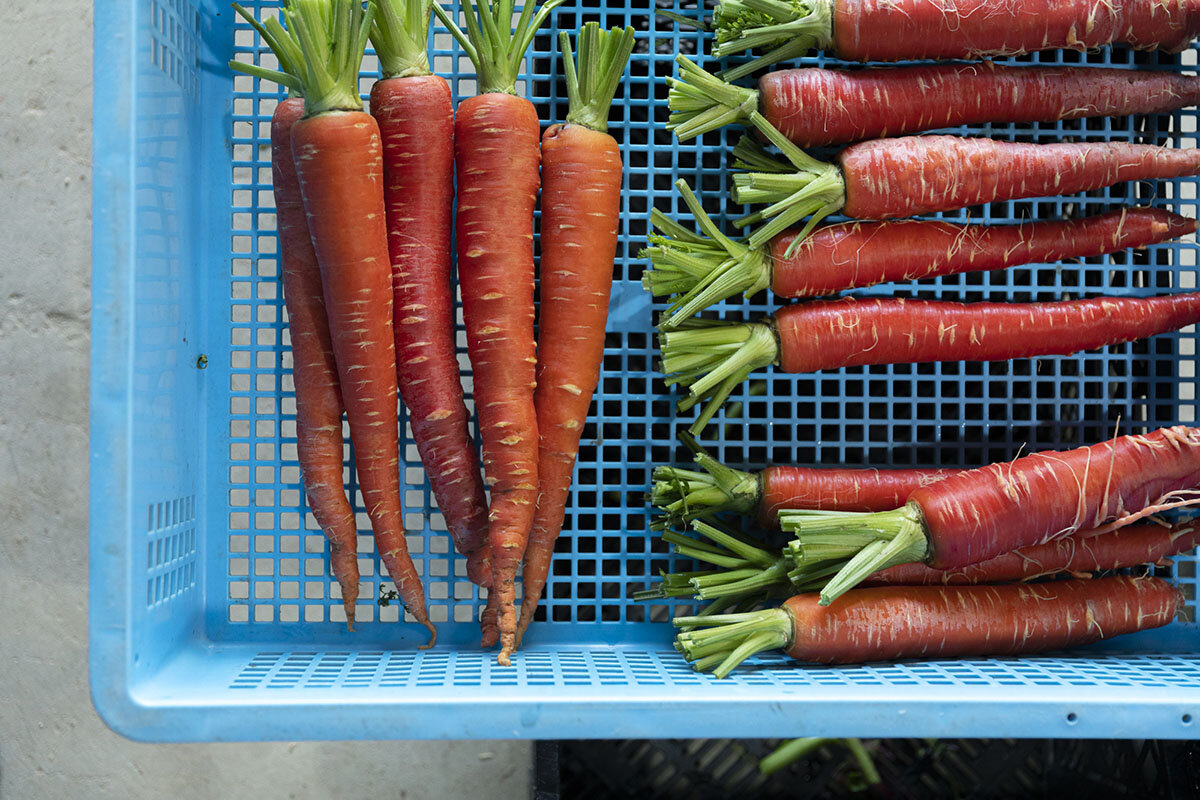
235, 628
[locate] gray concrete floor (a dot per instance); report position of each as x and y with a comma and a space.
52, 744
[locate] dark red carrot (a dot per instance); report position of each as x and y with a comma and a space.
416, 123
912, 175
339, 165
814, 107
581, 204
702, 270
314, 371
1144, 543
737, 567
856, 254
711, 358
684, 495
497, 157
897, 622
903, 30
983, 513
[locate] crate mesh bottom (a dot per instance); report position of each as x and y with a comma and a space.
300, 669
273, 569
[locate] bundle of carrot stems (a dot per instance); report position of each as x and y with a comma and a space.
882, 564
366, 221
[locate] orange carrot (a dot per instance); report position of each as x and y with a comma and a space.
339, 164
496, 159
314, 369
581, 203
416, 122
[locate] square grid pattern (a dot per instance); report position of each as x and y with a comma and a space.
955, 414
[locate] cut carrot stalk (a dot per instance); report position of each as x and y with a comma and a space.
744, 569
702, 270
416, 123
815, 107
339, 164
913, 175
314, 369
497, 158
983, 513
895, 622
904, 30
684, 495
711, 358
581, 204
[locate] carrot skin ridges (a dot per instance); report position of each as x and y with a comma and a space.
983, 513
912, 175
314, 370
340, 165
816, 107
895, 622
828, 489
581, 204
1143, 543
416, 123
900, 30
856, 254
851, 332
496, 158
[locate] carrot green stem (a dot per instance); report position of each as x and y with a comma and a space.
786, 28
703, 268
602, 59
400, 36
873, 541
319, 53
751, 570
813, 189
791, 751
738, 635
286, 49
866, 764
711, 358
493, 43
701, 102
684, 495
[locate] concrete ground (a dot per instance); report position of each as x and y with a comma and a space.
52, 744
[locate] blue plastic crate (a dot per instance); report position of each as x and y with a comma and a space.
213, 615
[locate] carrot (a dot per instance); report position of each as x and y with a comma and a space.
711, 358
314, 370
338, 158
416, 123
703, 270
814, 107
740, 568
903, 30
911, 175
1145, 543
581, 204
982, 513
684, 495
496, 158
896, 622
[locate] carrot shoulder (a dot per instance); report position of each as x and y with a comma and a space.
581, 204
